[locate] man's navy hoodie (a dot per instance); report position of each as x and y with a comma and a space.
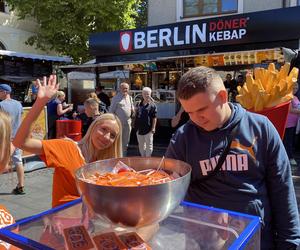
255, 178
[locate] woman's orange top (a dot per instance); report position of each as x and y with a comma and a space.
65, 156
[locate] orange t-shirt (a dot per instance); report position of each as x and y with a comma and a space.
65, 156
6, 219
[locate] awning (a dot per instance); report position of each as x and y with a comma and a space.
106, 64
64, 59
92, 66
75, 75
221, 59
17, 79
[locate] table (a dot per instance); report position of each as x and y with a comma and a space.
190, 226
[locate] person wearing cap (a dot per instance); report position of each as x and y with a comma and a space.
14, 109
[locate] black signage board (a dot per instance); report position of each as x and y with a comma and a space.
10, 67
41, 69
1, 67
234, 30
16, 67
24, 68
155, 56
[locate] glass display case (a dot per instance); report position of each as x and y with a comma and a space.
190, 226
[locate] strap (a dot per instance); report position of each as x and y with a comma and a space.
222, 157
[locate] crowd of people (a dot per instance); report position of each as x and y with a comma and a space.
238, 160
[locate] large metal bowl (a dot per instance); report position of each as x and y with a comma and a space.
134, 206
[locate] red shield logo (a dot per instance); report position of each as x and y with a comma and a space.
126, 41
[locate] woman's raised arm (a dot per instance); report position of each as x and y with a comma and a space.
45, 92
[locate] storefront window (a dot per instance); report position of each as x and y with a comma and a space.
2, 6
193, 8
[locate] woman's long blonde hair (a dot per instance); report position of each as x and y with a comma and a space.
5, 134
90, 153
94, 96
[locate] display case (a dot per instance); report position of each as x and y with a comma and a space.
190, 226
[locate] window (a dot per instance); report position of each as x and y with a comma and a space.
2, 6
193, 8
298, 2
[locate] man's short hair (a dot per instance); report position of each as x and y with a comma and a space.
196, 80
124, 83
90, 102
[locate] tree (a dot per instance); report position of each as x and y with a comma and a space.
65, 25
142, 14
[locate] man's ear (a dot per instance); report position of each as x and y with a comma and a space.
223, 96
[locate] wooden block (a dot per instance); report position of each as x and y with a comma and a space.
133, 241
77, 238
109, 241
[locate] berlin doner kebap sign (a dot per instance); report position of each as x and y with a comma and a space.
263, 26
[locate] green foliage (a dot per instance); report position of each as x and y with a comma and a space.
64, 25
142, 14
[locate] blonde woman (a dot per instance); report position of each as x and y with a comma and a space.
62, 107
94, 96
56, 110
102, 105
6, 218
101, 141
5, 134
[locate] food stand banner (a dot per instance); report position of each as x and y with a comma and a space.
38, 129
249, 28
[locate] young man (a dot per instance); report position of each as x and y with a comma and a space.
145, 122
91, 112
14, 109
256, 175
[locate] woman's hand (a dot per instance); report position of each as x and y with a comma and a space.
47, 90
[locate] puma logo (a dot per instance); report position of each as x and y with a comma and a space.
236, 144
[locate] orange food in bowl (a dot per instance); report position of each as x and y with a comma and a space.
131, 179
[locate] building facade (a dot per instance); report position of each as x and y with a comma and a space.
172, 11
14, 32
20, 64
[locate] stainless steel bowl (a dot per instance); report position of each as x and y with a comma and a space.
134, 206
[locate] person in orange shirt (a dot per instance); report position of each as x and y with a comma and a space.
6, 218
102, 141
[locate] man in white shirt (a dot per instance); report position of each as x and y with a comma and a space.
122, 106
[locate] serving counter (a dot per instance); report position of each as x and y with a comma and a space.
190, 226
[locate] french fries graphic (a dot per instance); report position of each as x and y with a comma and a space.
268, 88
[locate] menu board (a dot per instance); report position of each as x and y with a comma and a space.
42, 69
201, 60
216, 60
23, 68
1, 67
39, 127
10, 68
